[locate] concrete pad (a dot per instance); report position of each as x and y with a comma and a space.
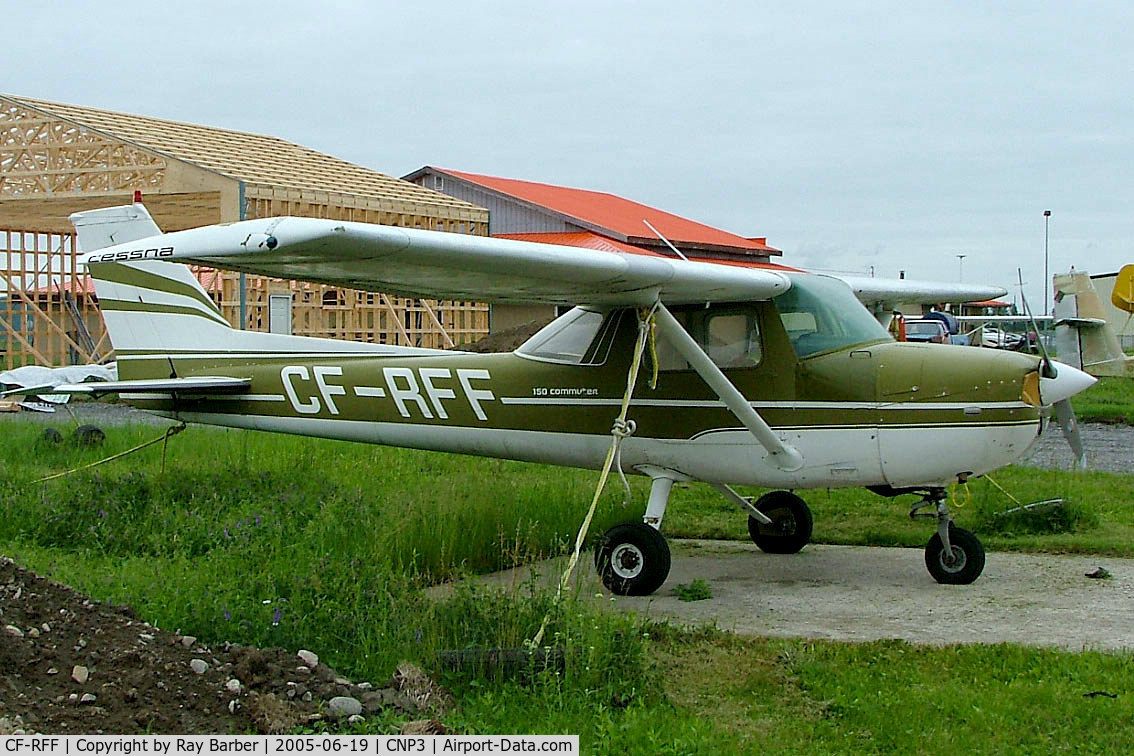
859, 593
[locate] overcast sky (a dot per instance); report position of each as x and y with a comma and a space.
890, 134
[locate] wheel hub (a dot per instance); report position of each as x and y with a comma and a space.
954, 560
626, 561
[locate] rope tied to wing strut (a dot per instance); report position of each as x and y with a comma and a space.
620, 431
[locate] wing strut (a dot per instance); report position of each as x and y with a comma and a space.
783, 456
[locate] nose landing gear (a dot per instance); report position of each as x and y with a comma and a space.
953, 556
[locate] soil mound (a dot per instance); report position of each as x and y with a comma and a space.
70, 665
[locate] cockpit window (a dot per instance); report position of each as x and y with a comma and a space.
821, 314
729, 334
566, 339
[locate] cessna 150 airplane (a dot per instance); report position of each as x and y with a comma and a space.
764, 376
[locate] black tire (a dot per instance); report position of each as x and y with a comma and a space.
52, 436
632, 559
88, 435
791, 524
967, 561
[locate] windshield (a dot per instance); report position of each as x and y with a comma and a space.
821, 314
565, 339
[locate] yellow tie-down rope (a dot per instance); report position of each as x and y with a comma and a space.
621, 430
169, 433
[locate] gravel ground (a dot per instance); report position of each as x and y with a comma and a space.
1110, 448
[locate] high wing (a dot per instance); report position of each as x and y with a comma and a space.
422, 263
882, 293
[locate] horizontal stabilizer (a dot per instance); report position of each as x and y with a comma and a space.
198, 385
1081, 322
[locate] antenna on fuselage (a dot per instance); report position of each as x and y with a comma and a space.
658, 234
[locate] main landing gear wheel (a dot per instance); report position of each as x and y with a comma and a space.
791, 524
962, 564
632, 559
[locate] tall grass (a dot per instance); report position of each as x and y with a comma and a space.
283, 541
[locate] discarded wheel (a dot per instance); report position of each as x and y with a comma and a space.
632, 559
88, 435
962, 564
791, 524
52, 436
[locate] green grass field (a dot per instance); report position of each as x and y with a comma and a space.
285, 541
1111, 400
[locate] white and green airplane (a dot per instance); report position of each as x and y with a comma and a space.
764, 376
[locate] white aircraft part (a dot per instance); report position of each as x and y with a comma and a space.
893, 291
451, 266
108, 226
1067, 382
835, 457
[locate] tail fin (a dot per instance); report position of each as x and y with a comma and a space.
109, 226
150, 307
1084, 338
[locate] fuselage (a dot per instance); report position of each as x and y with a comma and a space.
867, 413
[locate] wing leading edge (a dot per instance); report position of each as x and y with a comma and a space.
413, 262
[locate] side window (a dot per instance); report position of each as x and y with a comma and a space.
729, 334
732, 339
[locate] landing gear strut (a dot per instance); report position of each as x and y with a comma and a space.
633, 559
953, 556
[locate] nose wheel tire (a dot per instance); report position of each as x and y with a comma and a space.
791, 524
632, 559
962, 564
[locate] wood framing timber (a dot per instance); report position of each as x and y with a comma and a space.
57, 159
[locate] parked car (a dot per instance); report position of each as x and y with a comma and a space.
926, 331
996, 338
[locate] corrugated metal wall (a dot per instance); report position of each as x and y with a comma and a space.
505, 216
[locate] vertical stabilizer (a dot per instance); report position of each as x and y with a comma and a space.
1084, 338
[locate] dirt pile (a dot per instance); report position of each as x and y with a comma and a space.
69, 664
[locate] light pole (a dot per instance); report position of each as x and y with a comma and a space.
1046, 279
961, 268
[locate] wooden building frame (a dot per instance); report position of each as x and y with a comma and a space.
56, 159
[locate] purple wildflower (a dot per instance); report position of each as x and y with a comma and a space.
226, 535
102, 513
276, 616
227, 615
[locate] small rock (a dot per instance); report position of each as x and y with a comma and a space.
33, 632
73, 697
308, 658
80, 674
342, 681
52, 671
306, 697
355, 719
131, 695
13, 630
88, 698
344, 706
146, 637
364, 686
291, 693
233, 685
200, 666
233, 706
301, 670
46, 627
188, 641
1099, 573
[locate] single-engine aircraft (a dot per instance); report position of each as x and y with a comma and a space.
765, 377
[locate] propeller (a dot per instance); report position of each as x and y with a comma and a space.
1068, 385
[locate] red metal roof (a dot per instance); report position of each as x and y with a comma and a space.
618, 217
591, 240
